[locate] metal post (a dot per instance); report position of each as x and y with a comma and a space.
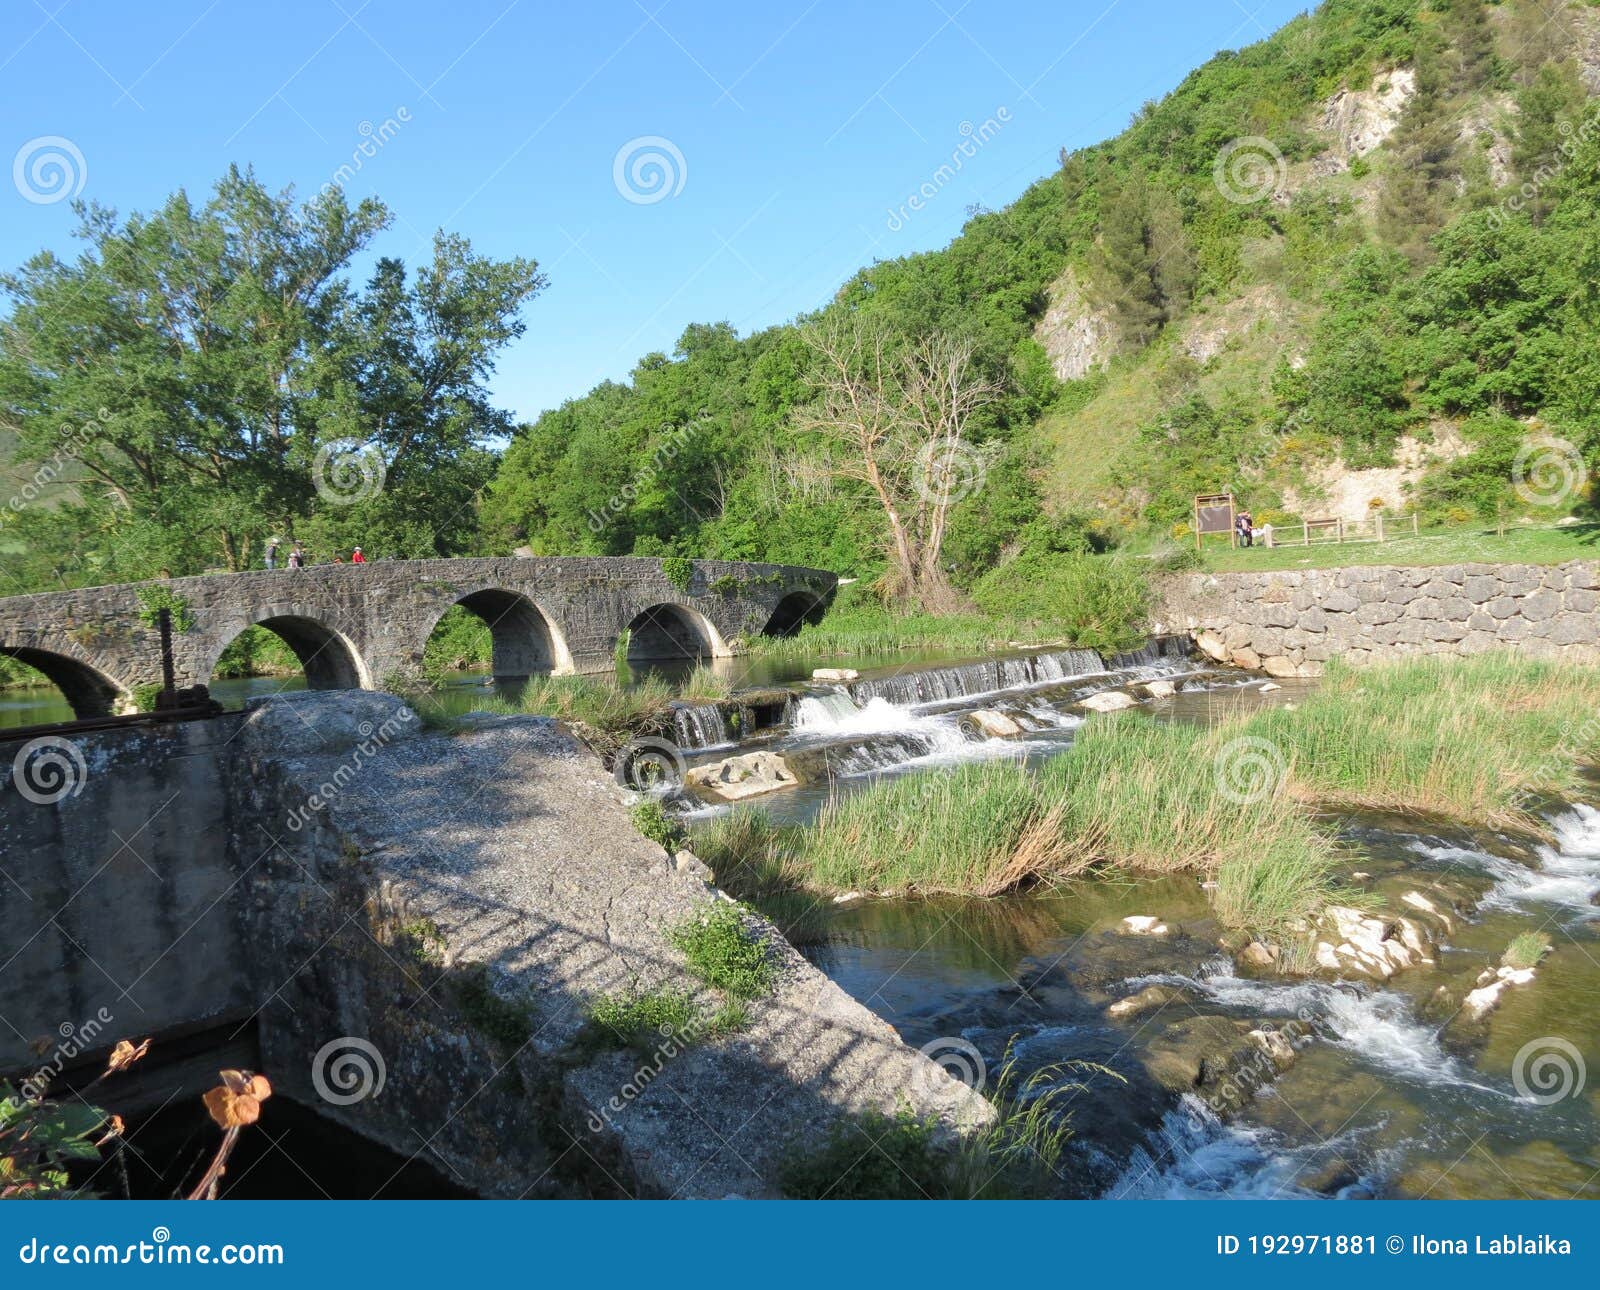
168, 676
1378, 519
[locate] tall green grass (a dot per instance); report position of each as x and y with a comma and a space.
1130, 794
1475, 740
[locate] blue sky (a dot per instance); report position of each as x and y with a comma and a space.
792, 132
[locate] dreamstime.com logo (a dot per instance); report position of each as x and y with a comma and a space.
75, 1039
1249, 169
347, 471
1547, 471
649, 169
1548, 1070
649, 764
159, 1249
1249, 769
74, 439
49, 169
948, 472
49, 769
372, 740
348, 1070
958, 1058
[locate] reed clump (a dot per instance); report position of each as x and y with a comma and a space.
1476, 740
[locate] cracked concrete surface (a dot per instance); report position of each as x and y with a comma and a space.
515, 844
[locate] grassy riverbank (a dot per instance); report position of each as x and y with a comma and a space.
1474, 740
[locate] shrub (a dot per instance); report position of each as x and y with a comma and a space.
1101, 602
653, 821
678, 571
723, 952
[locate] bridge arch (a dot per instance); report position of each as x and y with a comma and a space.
667, 632
526, 640
794, 611
326, 655
89, 691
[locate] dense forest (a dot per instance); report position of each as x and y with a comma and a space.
206, 376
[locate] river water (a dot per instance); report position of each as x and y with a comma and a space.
1395, 1095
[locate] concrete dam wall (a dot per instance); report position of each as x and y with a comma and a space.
412, 928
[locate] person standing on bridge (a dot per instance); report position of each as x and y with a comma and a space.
272, 553
297, 558
356, 557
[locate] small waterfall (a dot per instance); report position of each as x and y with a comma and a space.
1568, 874
1158, 649
700, 725
964, 680
1194, 1155
821, 710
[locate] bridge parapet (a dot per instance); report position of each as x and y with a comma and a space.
365, 626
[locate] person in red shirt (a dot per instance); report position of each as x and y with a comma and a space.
356, 557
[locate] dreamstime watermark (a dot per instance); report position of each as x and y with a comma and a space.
348, 1070
649, 765
1249, 169
347, 471
49, 169
75, 1040
649, 169
1249, 769
73, 440
1547, 470
671, 440
674, 1042
1275, 1048
1548, 1070
973, 138
1572, 138
49, 769
373, 140
947, 472
958, 1058
1569, 748
372, 739
160, 1250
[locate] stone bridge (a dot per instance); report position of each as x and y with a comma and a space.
364, 626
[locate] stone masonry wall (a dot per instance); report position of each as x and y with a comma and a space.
1291, 622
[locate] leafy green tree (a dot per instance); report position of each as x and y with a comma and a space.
196, 359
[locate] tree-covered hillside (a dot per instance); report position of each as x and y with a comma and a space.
1277, 303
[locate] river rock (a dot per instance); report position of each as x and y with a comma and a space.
835, 674
986, 723
1149, 998
1480, 1002
1160, 689
1108, 701
748, 775
1349, 941
1258, 955
319, 722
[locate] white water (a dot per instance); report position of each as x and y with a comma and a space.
1195, 1155
1568, 875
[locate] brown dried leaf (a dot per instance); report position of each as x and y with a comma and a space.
260, 1089
125, 1054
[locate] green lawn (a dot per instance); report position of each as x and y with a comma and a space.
1450, 546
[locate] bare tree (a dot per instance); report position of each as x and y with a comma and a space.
898, 415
